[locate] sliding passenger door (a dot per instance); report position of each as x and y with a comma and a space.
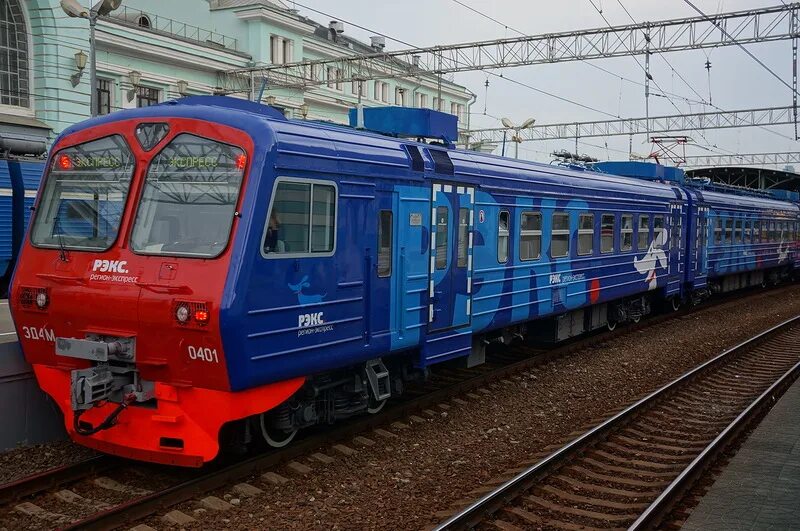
450, 282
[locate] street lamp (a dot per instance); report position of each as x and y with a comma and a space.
80, 64
304, 110
73, 8
516, 138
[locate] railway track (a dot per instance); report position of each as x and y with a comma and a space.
631, 470
120, 502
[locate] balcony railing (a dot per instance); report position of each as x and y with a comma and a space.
172, 28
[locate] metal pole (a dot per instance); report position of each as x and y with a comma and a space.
516, 145
92, 65
503, 153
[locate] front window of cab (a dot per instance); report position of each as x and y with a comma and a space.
84, 196
189, 198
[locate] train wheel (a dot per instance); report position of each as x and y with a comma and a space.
274, 437
676, 304
611, 325
636, 319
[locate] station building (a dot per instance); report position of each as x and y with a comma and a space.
150, 51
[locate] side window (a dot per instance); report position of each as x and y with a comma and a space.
559, 241
737, 231
607, 233
748, 232
764, 231
463, 236
585, 234
718, 231
442, 215
302, 219
385, 243
728, 230
502, 237
756, 231
772, 231
626, 232
659, 233
644, 232
530, 242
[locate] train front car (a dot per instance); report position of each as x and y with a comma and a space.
123, 279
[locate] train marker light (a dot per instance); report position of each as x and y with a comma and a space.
241, 161
201, 315
65, 162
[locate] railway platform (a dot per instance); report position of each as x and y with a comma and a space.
760, 486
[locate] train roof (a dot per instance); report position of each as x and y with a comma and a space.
337, 148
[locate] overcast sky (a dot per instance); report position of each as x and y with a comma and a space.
737, 82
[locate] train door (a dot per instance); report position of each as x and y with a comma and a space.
701, 247
676, 266
450, 281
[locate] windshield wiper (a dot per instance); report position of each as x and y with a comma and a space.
62, 249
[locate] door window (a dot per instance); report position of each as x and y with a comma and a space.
442, 224
385, 243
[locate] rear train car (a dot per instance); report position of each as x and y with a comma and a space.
205, 272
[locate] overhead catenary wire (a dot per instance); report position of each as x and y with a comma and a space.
494, 74
740, 45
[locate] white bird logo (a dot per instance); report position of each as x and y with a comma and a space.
653, 258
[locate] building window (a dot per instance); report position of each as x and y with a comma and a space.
381, 92
422, 100
146, 96
144, 22
14, 72
530, 240
281, 50
335, 78
360, 86
585, 234
400, 96
435, 106
502, 237
104, 96
458, 110
559, 241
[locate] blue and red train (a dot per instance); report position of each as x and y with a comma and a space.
206, 271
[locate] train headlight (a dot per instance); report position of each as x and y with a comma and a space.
42, 300
182, 313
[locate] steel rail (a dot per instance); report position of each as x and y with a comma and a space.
656, 511
493, 501
41, 481
215, 478
145, 506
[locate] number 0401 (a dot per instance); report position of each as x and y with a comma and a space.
203, 354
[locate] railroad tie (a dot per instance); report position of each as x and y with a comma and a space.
73, 498
30, 509
110, 484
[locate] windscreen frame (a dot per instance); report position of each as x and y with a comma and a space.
38, 211
173, 134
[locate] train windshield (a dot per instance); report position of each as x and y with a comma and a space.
84, 196
189, 198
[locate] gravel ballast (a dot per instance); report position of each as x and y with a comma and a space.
403, 482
